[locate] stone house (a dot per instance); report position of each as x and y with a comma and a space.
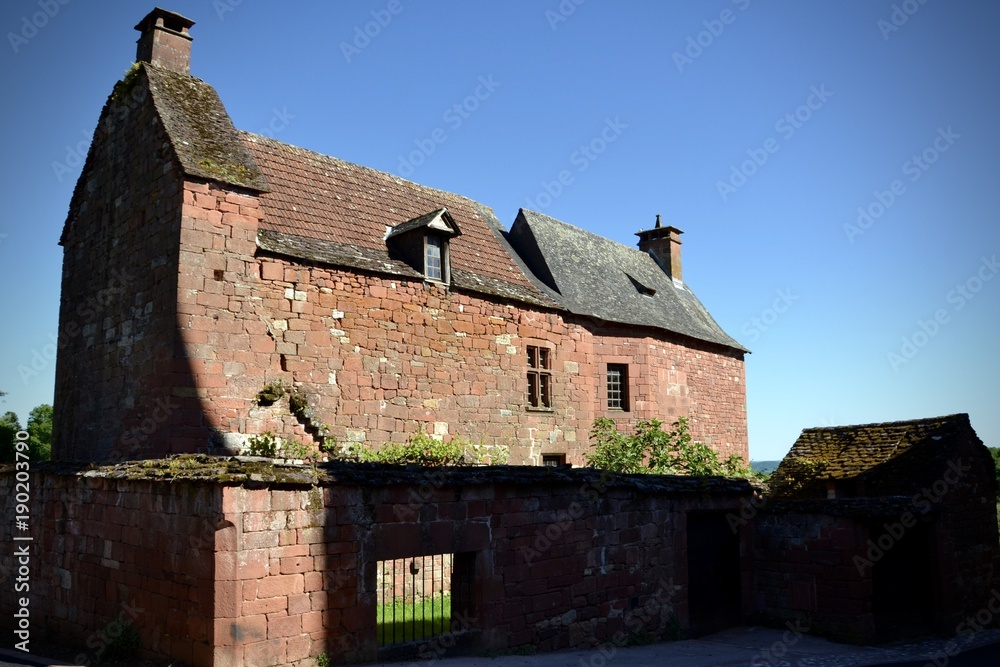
880, 531
203, 264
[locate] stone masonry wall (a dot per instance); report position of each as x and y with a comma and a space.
117, 309
564, 561
804, 571
281, 570
108, 551
379, 357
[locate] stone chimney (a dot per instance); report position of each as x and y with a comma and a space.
164, 41
663, 243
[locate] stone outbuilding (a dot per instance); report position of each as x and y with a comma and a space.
880, 531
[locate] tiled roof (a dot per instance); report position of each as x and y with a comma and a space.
892, 457
327, 200
597, 277
377, 261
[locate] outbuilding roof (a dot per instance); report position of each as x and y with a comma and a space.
891, 458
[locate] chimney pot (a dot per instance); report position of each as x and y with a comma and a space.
164, 41
664, 244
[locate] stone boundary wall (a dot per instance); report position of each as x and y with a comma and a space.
252, 564
106, 551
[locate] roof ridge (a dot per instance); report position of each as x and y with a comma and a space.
957, 416
595, 235
259, 138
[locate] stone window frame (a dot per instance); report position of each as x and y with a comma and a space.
617, 390
543, 374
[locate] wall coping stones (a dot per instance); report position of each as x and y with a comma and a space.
263, 473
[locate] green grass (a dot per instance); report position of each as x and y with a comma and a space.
423, 619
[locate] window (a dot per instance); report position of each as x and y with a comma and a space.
553, 460
433, 258
618, 387
539, 377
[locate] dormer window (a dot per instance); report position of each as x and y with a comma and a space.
423, 243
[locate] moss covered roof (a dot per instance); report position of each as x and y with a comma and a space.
201, 132
874, 459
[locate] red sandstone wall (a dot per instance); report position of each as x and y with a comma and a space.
804, 571
105, 550
230, 576
557, 566
116, 316
379, 357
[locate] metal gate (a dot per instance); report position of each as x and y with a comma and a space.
418, 597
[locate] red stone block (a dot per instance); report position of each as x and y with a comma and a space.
296, 564
270, 652
265, 606
283, 626
312, 622
284, 585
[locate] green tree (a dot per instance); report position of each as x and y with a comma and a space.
40, 430
655, 451
9, 426
995, 451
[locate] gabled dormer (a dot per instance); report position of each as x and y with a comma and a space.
424, 244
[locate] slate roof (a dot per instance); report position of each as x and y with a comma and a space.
596, 277
892, 458
325, 209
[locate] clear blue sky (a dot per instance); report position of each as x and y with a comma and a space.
828, 101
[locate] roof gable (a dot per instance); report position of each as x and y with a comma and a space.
203, 137
439, 220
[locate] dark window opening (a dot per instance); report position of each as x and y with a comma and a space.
640, 288
539, 377
553, 460
434, 258
618, 387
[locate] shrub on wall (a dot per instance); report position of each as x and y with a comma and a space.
655, 451
422, 449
